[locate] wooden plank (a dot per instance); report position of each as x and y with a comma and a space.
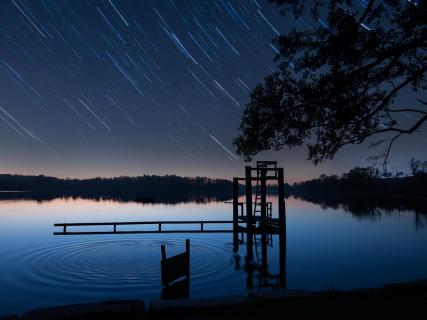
82, 224
258, 179
257, 219
174, 268
138, 232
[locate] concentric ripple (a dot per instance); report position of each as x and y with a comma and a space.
122, 265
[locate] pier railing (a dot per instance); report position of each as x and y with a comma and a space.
159, 224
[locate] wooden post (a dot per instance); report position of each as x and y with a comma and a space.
163, 251
248, 185
235, 214
201, 226
263, 199
282, 227
65, 228
250, 276
164, 283
264, 219
249, 224
115, 227
187, 249
264, 258
160, 227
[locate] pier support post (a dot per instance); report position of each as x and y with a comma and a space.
264, 219
263, 199
282, 227
249, 223
187, 250
235, 214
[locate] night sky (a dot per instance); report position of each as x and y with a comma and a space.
108, 88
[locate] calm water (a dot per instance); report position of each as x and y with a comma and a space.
326, 248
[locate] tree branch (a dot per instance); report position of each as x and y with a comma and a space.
394, 52
407, 131
387, 154
390, 95
406, 110
368, 8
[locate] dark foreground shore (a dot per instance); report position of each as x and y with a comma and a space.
390, 300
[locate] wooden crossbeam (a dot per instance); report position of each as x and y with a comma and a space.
159, 224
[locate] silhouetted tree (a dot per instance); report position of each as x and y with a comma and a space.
368, 181
399, 174
359, 174
414, 166
337, 82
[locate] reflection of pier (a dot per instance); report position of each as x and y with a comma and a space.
258, 220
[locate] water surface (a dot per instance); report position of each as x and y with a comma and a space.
326, 248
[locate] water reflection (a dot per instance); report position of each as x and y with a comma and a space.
256, 260
170, 198
366, 207
360, 206
326, 248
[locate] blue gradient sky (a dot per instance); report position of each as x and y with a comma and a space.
107, 88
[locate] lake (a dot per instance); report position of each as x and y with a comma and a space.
327, 247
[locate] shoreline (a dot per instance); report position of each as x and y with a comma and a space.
390, 299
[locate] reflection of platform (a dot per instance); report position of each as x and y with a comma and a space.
260, 230
270, 225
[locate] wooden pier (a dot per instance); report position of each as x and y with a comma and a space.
79, 228
159, 224
251, 218
258, 219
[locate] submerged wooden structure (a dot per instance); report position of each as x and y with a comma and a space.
176, 274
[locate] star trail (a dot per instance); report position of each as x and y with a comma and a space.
130, 87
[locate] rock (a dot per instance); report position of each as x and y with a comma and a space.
9, 317
192, 304
102, 310
278, 294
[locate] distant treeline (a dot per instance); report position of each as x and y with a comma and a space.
366, 180
147, 188
172, 188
